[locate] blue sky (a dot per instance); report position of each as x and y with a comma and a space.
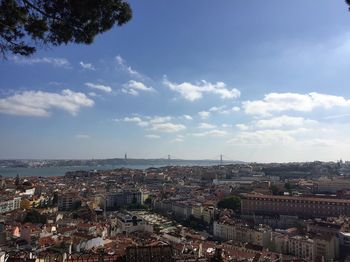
252, 80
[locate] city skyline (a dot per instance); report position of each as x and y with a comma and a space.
248, 81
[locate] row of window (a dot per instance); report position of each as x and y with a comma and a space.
345, 203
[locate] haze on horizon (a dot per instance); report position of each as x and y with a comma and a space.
263, 81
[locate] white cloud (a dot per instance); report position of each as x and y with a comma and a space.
55, 83
55, 61
283, 121
224, 109
159, 119
39, 104
263, 137
82, 136
155, 123
213, 133
152, 136
87, 66
279, 102
204, 114
178, 139
242, 126
143, 123
168, 127
136, 120
133, 87
187, 117
194, 92
217, 108
126, 68
132, 92
271, 137
336, 116
92, 94
320, 142
100, 87
206, 126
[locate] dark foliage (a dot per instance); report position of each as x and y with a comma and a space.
148, 201
35, 217
27, 24
85, 213
217, 256
231, 202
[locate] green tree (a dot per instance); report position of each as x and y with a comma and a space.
148, 201
274, 190
35, 217
288, 187
27, 24
231, 202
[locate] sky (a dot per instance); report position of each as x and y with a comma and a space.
264, 81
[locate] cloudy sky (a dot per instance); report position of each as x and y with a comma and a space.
252, 80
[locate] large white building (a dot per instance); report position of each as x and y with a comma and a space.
127, 222
237, 232
9, 205
302, 247
318, 247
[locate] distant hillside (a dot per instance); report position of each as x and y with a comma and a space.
110, 162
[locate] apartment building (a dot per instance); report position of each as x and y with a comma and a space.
302, 247
127, 223
197, 210
208, 214
293, 205
8, 205
116, 200
67, 201
181, 210
326, 247
237, 232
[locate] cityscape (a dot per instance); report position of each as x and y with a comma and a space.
235, 212
174, 131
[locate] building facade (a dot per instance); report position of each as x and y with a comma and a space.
9, 205
67, 201
293, 205
237, 232
116, 200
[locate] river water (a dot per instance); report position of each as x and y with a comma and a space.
61, 170
58, 171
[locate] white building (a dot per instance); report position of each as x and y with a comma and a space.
237, 232
10, 205
302, 247
127, 223
88, 244
344, 238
